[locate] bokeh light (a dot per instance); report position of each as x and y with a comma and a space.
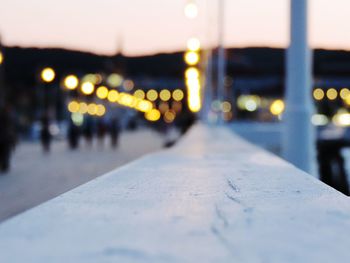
153, 115
191, 58
332, 94
73, 106
226, 106
77, 118
139, 94
191, 10
114, 80
48, 75
277, 107
193, 44
113, 95
71, 82
128, 85
83, 107
100, 110
344, 93
92, 109
169, 116
165, 95
152, 95
192, 72
178, 95
87, 88
318, 94
102, 92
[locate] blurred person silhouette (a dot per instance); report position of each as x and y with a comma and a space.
101, 131
73, 135
114, 130
88, 131
5, 139
45, 135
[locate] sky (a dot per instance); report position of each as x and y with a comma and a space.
149, 26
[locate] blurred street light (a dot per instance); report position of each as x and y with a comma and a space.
102, 92
191, 58
1, 57
193, 44
114, 80
139, 94
71, 82
165, 95
277, 107
47, 75
178, 95
152, 95
87, 88
191, 10
153, 115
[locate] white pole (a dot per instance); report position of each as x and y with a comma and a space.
221, 54
298, 139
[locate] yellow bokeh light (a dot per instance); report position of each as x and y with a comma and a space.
192, 73
318, 94
165, 95
87, 88
83, 108
144, 105
191, 58
169, 116
193, 44
344, 93
71, 82
226, 106
1, 57
113, 95
48, 75
92, 109
102, 92
194, 98
114, 80
100, 110
332, 94
153, 115
139, 94
93, 78
178, 95
191, 10
73, 106
152, 95
126, 100
277, 107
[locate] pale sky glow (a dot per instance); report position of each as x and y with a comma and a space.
150, 26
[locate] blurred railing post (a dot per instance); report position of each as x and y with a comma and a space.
221, 55
298, 141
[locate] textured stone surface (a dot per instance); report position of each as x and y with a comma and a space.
212, 198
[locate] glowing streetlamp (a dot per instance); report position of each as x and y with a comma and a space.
193, 44
71, 82
87, 88
191, 10
1, 57
47, 75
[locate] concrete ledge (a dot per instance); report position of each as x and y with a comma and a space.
212, 198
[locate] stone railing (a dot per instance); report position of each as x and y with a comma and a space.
211, 198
